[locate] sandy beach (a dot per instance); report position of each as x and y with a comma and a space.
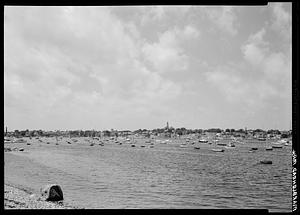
15, 198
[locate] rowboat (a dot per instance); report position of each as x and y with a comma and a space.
266, 162
203, 141
218, 150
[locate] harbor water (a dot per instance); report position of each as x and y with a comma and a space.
165, 176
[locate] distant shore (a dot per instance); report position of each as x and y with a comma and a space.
15, 198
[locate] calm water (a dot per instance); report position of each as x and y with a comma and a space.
166, 176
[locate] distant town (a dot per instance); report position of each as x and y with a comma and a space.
167, 132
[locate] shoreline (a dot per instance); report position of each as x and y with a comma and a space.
16, 198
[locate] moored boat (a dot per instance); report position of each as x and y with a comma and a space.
218, 150
277, 147
269, 148
266, 162
230, 145
203, 141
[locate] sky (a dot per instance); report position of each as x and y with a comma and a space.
134, 67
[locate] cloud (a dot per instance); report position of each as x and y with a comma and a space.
256, 48
249, 94
106, 67
224, 18
274, 66
282, 20
267, 78
162, 15
152, 14
61, 60
167, 55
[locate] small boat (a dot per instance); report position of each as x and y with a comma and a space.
69, 142
183, 146
254, 148
151, 146
266, 162
92, 144
277, 147
203, 141
56, 144
221, 144
230, 145
28, 144
142, 146
218, 150
132, 145
196, 147
269, 148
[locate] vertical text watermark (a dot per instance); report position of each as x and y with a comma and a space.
294, 183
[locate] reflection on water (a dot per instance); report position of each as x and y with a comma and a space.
166, 176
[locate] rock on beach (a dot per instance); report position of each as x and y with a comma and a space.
15, 198
52, 192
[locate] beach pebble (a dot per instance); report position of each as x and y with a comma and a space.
52, 192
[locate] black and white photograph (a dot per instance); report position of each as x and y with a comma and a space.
148, 107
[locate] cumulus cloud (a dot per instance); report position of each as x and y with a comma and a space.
224, 18
250, 94
104, 67
282, 20
255, 49
151, 14
80, 57
269, 76
167, 54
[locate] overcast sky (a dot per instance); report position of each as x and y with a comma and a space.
139, 67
